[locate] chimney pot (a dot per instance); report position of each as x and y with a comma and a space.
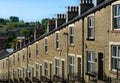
90, 1
84, 1
68, 8
81, 1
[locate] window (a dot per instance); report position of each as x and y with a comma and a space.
71, 64
3, 63
46, 69
57, 40
18, 57
29, 50
37, 49
71, 35
90, 63
57, 67
23, 54
116, 17
29, 71
13, 59
23, 72
6, 62
37, 70
46, 45
115, 58
91, 27
18, 73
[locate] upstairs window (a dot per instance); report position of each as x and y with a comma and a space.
37, 49
116, 17
18, 57
91, 27
115, 58
71, 31
23, 54
46, 45
57, 40
29, 52
13, 59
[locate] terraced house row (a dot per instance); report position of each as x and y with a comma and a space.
82, 45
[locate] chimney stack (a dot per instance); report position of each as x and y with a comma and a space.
72, 12
61, 19
97, 2
85, 5
51, 25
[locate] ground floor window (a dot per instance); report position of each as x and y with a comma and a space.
71, 64
57, 66
115, 58
46, 68
90, 63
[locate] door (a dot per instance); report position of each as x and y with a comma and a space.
100, 66
50, 71
63, 63
79, 67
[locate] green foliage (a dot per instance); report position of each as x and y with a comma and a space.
14, 19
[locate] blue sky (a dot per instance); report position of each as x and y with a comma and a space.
34, 10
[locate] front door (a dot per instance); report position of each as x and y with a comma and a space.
100, 66
50, 71
79, 68
63, 63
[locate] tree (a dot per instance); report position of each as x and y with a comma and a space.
14, 19
2, 20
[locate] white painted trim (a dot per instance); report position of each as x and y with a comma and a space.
71, 25
56, 58
36, 42
115, 3
111, 43
50, 62
62, 59
46, 37
71, 54
57, 32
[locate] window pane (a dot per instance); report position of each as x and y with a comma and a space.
118, 9
114, 51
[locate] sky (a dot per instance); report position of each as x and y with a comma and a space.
34, 10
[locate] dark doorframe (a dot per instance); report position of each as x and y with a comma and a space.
50, 71
100, 66
79, 68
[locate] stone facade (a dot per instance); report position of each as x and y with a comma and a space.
78, 50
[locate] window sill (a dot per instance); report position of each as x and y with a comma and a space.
115, 72
90, 39
46, 53
115, 31
72, 45
92, 75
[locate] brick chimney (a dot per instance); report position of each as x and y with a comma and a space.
71, 12
51, 25
97, 2
60, 19
85, 5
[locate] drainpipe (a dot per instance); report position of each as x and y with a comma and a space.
83, 49
8, 70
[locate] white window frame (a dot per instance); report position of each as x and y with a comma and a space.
71, 36
37, 49
116, 16
57, 67
91, 27
116, 57
18, 57
91, 61
57, 40
46, 45
37, 70
46, 68
72, 64
23, 54
29, 51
